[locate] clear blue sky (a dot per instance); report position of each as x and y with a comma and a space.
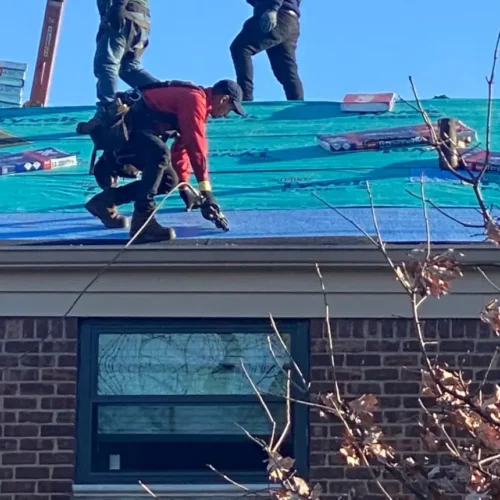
346, 46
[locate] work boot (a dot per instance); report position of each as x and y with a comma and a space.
103, 207
104, 116
153, 232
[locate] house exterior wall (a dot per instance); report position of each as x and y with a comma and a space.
373, 356
37, 408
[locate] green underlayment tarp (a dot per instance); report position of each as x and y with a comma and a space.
270, 160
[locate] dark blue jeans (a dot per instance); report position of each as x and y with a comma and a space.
118, 55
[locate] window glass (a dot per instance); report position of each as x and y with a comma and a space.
158, 364
188, 419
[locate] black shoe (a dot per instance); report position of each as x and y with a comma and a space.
153, 232
101, 207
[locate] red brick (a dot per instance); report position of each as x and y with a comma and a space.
67, 360
35, 497
65, 417
60, 346
401, 360
6, 473
59, 374
37, 388
64, 389
38, 360
62, 430
71, 328
7, 389
32, 472
37, 417
327, 473
8, 444
66, 444
21, 430
28, 328
18, 458
61, 486
13, 328
58, 403
381, 374
22, 375
23, 346
63, 473
18, 487
8, 360
19, 403
402, 388
37, 444
318, 459
7, 417
56, 458
363, 360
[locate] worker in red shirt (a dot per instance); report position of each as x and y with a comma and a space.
161, 110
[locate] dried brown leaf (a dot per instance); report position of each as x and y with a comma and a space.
301, 486
351, 455
430, 441
316, 492
493, 232
365, 404
491, 315
489, 436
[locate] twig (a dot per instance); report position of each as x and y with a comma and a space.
440, 210
283, 343
148, 491
485, 276
490, 367
282, 370
426, 219
360, 451
262, 402
228, 479
329, 332
491, 82
288, 414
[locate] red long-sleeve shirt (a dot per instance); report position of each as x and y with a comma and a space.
192, 107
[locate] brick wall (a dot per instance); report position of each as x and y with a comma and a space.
37, 408
382, 358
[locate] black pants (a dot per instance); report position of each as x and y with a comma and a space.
281, 47
152, 156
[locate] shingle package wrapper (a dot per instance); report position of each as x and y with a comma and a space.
12, 81
368, 103
388, 138
32, 161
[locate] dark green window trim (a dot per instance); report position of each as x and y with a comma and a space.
87, 383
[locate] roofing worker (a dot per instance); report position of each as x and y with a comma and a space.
162, 109
122, 38
275, 28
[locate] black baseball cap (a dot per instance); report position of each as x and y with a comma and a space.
233, 90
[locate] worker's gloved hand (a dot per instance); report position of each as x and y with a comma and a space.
268, 21
211, 211
116, 18
190, 199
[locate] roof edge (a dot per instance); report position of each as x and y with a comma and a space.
275, 256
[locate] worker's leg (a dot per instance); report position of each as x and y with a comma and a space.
153, 158
283, 59
131, 70
249, 42
110, 49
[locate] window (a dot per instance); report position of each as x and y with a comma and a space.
159, 400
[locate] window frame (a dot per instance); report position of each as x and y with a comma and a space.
87, 397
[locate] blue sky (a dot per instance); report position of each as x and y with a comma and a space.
346, 46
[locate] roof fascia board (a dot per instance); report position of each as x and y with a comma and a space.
64, 257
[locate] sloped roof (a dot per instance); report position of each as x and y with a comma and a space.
264, 170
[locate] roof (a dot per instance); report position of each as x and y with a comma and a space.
264, 170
